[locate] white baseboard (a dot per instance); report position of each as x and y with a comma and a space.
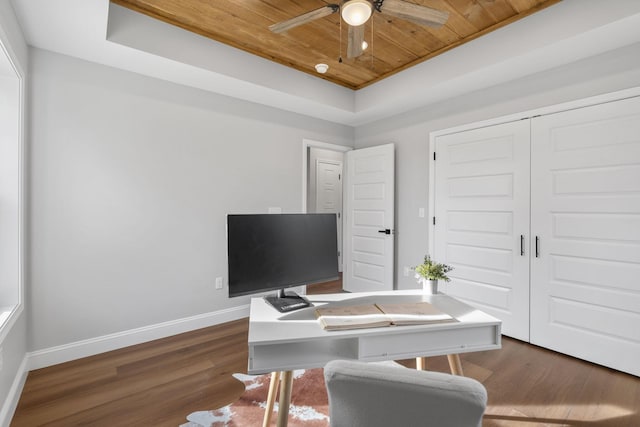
76, 350
11, 403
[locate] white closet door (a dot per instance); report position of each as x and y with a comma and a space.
585, 288
482, 210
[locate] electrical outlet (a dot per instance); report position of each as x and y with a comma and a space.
218, 282
407, 271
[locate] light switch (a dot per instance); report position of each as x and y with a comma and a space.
421, 212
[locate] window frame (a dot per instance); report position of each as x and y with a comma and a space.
15, 131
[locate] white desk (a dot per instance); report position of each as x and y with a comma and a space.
282, 342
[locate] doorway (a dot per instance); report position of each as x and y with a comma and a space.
323, 186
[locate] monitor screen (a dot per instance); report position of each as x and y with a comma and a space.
277, 251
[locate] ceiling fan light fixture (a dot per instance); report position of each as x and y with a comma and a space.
356, 12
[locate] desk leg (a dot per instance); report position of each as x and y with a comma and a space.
454, 364
421, 363
286, 382
271, 398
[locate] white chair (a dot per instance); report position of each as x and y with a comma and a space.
373, 395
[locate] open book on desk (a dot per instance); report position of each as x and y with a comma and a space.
333, 318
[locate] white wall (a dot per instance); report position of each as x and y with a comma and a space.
131, 180
12, 35
609, 72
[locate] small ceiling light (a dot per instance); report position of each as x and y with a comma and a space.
322, 68
365, 45
356, 12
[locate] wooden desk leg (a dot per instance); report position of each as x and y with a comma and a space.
271, 398
286, 381
454, 364
421, 363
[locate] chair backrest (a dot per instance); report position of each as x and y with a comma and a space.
372, 395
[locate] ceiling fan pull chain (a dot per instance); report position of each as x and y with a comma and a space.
340, 45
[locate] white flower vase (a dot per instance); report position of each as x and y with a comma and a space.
430, 286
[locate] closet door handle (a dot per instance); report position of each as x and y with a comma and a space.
521, 245
537, 247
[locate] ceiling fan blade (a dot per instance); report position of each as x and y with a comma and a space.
354, 41
283, 26
421, 15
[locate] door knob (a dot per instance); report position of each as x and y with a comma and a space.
385, 231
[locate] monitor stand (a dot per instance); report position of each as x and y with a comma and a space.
285, 303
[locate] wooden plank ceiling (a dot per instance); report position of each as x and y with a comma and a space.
396, 44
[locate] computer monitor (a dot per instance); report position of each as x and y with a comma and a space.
278, 251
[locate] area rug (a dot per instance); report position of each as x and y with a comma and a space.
309, 404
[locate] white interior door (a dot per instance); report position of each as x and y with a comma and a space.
369, 219
482, 220
329, 194
585, 289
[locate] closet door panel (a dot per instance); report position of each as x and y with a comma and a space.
482, 209
585, 196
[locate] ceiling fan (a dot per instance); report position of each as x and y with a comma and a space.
356, 12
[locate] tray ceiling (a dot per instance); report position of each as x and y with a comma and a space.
396, 43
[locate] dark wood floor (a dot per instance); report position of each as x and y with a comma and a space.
160, 382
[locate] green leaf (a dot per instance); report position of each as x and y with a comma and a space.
432, 270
